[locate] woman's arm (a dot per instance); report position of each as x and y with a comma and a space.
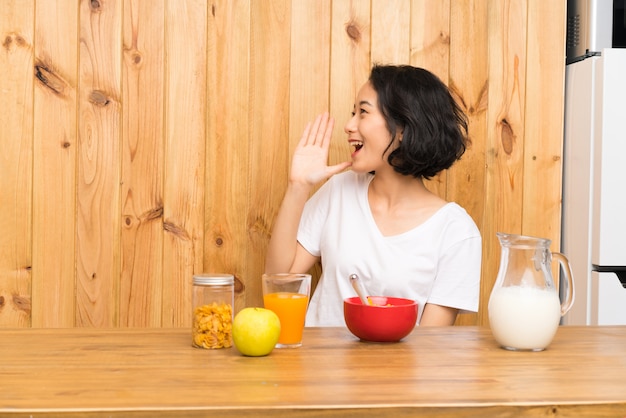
284, 253
437, 315
308, 167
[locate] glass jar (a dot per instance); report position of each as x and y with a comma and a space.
213, 301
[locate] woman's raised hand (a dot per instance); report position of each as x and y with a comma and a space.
310, 159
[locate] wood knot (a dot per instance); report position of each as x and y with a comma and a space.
444, 38
1, 301
239, 286
507, 137
14, 39
95, 5
49, 79
219, 242
22, 303
176, 230
353, 31
152, 214
134, 56
20, 41
259, 226
98, 98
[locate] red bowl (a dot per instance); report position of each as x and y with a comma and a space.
390, 320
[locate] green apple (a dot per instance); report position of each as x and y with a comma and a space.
256, 331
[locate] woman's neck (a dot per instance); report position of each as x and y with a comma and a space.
392, 189
400, 203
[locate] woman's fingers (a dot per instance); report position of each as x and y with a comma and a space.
337, 168
319, 131
328, 132
312, 136
305, 135
310, 159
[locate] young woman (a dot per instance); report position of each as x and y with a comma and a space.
378, 220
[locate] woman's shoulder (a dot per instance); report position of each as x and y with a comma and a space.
345, 185
455, 216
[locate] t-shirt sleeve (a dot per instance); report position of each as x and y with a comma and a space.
457, 283
313, 218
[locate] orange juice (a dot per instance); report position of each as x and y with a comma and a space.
291, 310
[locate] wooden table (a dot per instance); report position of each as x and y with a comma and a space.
442, 372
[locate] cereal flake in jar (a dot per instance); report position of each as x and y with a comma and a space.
213, 300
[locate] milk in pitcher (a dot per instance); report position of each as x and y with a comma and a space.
524, 317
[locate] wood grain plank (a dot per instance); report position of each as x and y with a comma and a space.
55, 159
435, 371
504, 65
391, 22
430, 36
268, 132
141, 275
228, 160
469, 81
309, 73
505, 135
98, 223
544, 128
430, 49
350, 58
186, 133
16, 164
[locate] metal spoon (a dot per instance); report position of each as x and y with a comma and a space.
360, 290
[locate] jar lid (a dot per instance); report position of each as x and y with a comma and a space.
213, 278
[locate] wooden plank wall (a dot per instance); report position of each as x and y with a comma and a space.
144, 141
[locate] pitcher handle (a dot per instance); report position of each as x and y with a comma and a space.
569, 299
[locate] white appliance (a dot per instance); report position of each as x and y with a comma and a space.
594, 177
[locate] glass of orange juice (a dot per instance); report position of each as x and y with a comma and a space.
287, 294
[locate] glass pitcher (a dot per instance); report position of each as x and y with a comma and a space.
524, 307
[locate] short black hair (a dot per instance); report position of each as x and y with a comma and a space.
418, 103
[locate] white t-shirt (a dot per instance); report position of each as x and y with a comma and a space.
437, 262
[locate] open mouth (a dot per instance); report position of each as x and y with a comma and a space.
357, 146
